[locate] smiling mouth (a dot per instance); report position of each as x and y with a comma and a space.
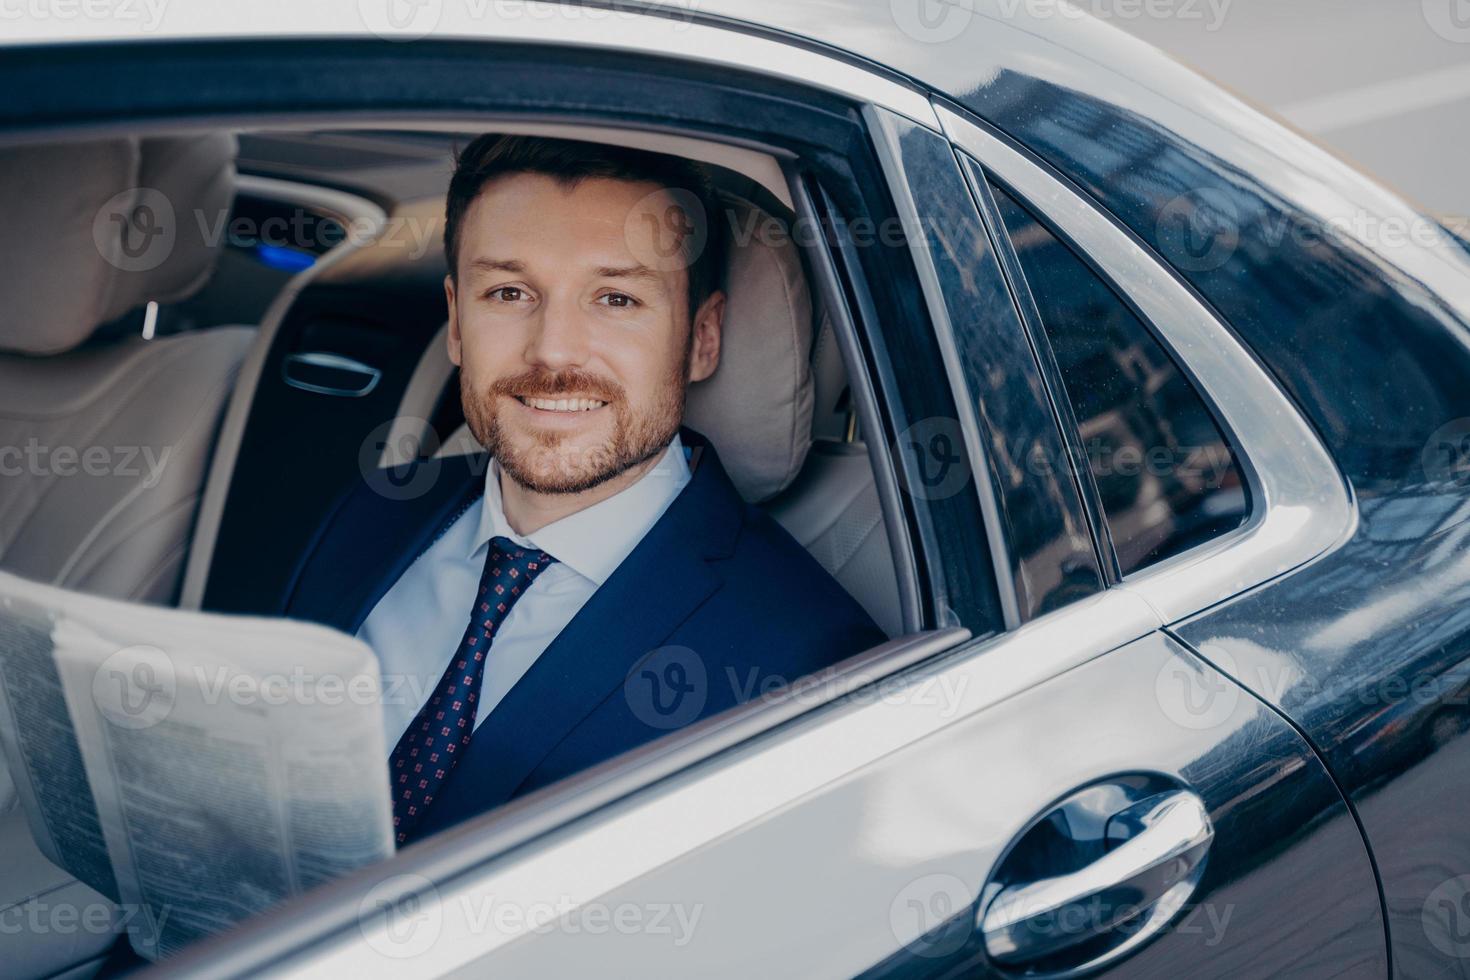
567, 405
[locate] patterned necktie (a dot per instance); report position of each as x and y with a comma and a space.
427, 751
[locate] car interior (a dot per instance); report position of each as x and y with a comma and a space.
290, 341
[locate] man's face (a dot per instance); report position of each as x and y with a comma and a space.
574, 340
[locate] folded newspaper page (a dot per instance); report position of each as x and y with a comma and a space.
196, 768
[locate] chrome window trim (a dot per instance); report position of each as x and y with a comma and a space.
673, 35
1301, 504
532, 856
885, 140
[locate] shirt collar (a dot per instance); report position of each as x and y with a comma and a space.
594, 541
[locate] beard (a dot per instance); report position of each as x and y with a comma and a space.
547, 461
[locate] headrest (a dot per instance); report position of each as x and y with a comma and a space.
94, 230
756, 409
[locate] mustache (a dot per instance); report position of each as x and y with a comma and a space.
548, 384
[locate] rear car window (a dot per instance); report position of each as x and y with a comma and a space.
1167, 478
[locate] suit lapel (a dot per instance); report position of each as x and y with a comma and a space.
346, 580
656, 588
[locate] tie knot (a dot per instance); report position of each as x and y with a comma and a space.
526, 562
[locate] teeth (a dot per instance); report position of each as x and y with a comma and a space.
564, 404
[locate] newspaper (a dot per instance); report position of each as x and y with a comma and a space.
195, 768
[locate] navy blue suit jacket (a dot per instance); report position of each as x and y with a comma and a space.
717, 604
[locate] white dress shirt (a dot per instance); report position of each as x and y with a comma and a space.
419, 622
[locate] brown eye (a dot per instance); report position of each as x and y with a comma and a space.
620, 300
508, 294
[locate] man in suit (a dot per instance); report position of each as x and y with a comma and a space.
594, 580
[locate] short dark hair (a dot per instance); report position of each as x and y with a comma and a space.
572, 161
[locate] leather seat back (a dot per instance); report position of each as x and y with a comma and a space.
832, 508
104, 446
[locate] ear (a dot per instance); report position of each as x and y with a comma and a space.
455, 351
709, 325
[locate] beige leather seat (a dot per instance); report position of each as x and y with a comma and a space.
104, 446
832, 506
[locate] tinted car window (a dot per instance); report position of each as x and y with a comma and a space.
1167, 478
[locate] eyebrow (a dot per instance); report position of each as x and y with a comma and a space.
637, 271
497, 265
629, 272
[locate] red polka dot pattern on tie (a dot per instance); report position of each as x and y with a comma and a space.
445, 725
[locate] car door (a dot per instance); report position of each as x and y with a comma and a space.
1071, 791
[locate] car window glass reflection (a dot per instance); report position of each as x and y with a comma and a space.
1166, 476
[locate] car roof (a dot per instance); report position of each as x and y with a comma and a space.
963, 53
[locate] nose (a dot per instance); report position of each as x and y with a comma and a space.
560, 339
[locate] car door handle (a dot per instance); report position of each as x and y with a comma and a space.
322, 373
1147, 877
